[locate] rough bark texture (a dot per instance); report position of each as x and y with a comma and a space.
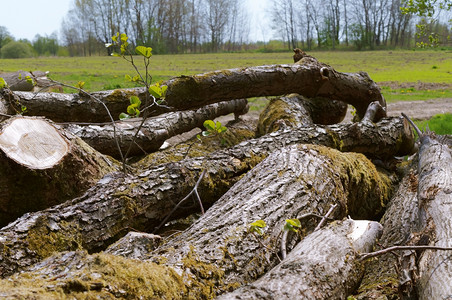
323, 265
26, 186
77, 275
297, 111
308, 77
217, 254
75, 107
291, 182
385, 276
435, 197
118, 202
154, 131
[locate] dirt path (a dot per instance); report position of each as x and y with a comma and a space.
416, 110
421, 110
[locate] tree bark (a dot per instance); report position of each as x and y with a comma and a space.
153, 132
41, 167
78, 107
297, 111
118, 202
434, 196
307, 77
386, 276
324, 265
217, 253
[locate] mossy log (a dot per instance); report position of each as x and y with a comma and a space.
307, 77
297, 111
385, 276
78, 275
154, 130
324, 265
291, 182
217, 253
119, 202
41, 166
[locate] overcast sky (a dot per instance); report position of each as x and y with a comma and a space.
26, 18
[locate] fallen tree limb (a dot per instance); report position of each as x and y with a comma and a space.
154, 131
401, 248
434, 194
119, 202
307, 77
61, 107
324, 265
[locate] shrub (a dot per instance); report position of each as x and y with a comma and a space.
17, 50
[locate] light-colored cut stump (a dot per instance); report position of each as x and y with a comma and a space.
33, 143
41, 166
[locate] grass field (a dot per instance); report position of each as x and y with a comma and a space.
440, 124
384, 67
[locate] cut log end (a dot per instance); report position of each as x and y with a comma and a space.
33, 143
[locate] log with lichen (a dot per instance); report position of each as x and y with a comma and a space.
119, 202
297, 111
293, 181
324, 265
217, 253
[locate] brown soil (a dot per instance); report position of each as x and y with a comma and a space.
417, 85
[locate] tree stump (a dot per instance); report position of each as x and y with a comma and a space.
42, 166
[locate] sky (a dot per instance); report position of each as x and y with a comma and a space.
24, 19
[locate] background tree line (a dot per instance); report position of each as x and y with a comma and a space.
364, 24
40, 46
197, 26
168, 26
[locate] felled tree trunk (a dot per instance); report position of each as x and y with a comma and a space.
154, 131
217, 253
309, 78
324, 265
41, 167
117, 202
78, 107
17, 81
290, 183
386, 276
435, 197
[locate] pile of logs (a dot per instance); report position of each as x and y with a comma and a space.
76, 224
